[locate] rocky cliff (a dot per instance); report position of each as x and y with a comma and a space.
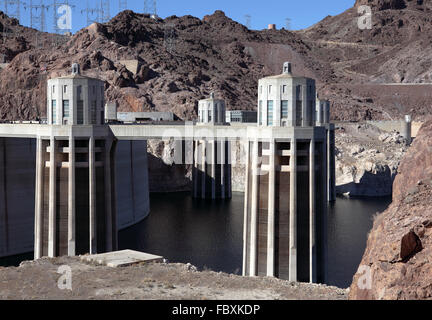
397, 262
182, 59
367, 160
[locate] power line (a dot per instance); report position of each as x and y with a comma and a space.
150, 7
12, 8
288, 23
37, 15
248, 21
56, 15
122, 5
105, 11
92, 14
170, 38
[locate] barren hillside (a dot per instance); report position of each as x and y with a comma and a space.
382, 73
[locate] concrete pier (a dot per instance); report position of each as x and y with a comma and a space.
74, 208
71, 197
288, 190
312, 215
211, 169
22, 167
293, 211
285, 207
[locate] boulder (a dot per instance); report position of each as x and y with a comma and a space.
410, 245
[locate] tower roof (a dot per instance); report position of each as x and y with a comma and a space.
286, 73
76, 74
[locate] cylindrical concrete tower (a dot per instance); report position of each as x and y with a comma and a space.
285, 218
286, 100
407, 125
75, 211
211, 173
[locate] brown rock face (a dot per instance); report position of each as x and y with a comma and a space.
382, 4
410, 246
183, 59
397, 261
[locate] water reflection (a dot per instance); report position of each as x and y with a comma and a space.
209, 234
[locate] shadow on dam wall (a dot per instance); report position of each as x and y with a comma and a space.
168, 178
17, 190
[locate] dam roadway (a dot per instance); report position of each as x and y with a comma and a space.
181, 131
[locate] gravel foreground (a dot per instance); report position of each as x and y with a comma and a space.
39, 280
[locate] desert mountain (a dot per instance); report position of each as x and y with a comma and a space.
380, 73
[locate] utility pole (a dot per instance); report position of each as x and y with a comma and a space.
12, 8
122, 5
248, 21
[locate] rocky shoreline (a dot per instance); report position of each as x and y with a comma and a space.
397, 263
367, 160
153, 281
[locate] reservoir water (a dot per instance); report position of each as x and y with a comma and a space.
208, 234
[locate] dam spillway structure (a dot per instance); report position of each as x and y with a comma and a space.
285, 211
75, 210
211, 174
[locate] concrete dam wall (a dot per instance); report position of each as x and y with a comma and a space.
17, 190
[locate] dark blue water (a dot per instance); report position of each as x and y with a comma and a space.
209, 234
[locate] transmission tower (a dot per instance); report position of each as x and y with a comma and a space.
12, 8
56, 15
150, 7
105, 11
170, 38
37, 14
92, 14
288, 23
248, 21
122, 5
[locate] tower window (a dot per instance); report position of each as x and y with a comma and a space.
65, 108
299, 92
54, 111
270, 112
93, 111
284, 109
64, 89
80, 112
79, 92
